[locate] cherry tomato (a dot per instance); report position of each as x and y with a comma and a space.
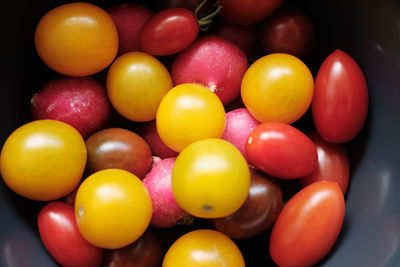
333, 164
340, 102
120, 149
308, 225
210, 178
76, 39
203, 248
187, 113
136, 83
290, 31
277, 87
258, 213
43, 160
62, 239
147, 251
112, 208
281, 150
189, 4
169, 32
247, 12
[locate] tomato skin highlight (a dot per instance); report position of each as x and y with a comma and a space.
333, 164
340, 103
168, 32
308, 225
61, 237
281, 151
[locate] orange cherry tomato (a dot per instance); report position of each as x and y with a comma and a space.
76, 39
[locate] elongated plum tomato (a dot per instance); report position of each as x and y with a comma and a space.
247, 12
136, 83
76, 39
43, 160
333, 164
210, 178
340, 103
62, 239
308, 225
169, 32
112, 208
187, 113
277, 87
203, 248
281, 151
258, 213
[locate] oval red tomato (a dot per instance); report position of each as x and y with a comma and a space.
333, 164
247, 12
340, 102
61, 237
169, 32
308, 225
281, 150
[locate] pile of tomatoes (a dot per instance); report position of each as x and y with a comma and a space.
210, 134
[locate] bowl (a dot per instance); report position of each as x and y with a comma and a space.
368, 31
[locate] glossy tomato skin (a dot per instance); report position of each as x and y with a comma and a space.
281, 151
169, 32
308, 225
259, 211
76, 39
289, 31
247, 12
333, 164
43, 160
147, 251
340, 102
203, 248
62, 239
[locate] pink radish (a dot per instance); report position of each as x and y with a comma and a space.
149, 132
129, 20
166, 212
213, 62
239, 124
245, 37
80, 102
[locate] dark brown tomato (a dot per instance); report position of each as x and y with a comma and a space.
258, 213
118, 148
188, 4
289, 31
147, 251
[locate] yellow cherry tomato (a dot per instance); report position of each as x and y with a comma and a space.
277, 87
187, 113
136, 83
76, 39
43, 160
210, 178
203, 248
112, 208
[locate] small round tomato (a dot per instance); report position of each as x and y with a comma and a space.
290, 31
187, 113
247, 12
76, 39
136, 83
258, 213
169, 32
203, 248
61, 237
333, 164
112, 208
277, 87
281, 150
210, 178
308, 225
340, 103
43, 160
